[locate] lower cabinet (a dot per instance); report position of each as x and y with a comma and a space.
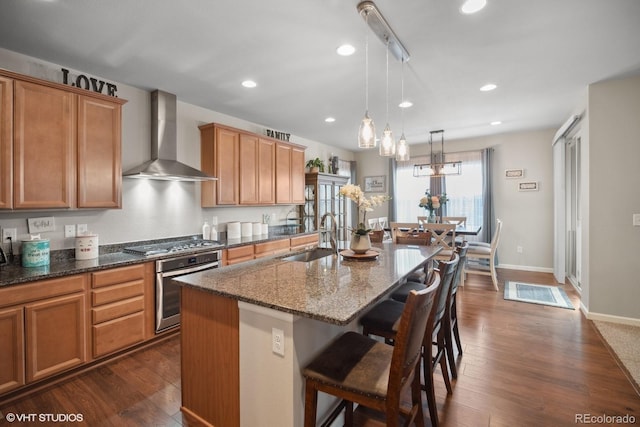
55, 335
117, 309
11, 348
42, 330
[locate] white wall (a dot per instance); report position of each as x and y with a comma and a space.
150, 209
614, 180
527, 216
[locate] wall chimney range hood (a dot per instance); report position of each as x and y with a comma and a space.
164, 145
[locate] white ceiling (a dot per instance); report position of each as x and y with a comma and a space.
541, 54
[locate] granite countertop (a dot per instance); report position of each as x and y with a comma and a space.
328, 289
63, 262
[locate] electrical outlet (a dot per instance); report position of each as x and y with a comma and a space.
636, 220
277, 341
214, 220
69, 231
519, 249
9, 232
81, 229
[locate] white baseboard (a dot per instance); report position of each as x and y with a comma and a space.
611, 318
525, 268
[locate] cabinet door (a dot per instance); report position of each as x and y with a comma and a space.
6, 133
297, 175
266, 174
44, 147
11, 349
99, 158
208, 165
55, 335
249, 173
226, 160
283, 173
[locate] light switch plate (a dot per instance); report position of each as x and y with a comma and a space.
636, 220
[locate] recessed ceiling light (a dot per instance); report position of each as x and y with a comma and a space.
330, 119
405, 104
488, 87
249, 83
472, 6
496, 123
345, 50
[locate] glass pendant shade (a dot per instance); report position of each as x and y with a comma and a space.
402, 149
387, 143
367, 132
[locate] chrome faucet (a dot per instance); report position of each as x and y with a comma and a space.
333, 232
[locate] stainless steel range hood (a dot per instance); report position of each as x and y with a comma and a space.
164, 145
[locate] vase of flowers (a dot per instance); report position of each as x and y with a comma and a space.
431, 203
360, 241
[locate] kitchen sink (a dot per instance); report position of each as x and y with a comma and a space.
311, 255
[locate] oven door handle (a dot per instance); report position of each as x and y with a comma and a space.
183, 271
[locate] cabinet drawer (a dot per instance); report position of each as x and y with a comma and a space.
117, 292
42, 289
302, 241
118, 334
117, 309
267, 248
240, 252
117, 275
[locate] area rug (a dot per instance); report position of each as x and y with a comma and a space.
537, 294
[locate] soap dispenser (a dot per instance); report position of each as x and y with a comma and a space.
206, 231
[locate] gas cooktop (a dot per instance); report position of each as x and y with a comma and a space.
173, 247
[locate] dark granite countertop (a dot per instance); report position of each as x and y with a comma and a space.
63, 262
329, 289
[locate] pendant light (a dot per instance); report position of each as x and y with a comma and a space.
402, 149
367, 130
387, 143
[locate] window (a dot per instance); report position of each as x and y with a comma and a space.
464, 191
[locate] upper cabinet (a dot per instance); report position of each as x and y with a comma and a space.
249, 168
60, 147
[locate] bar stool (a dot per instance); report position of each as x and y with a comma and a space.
362, 370
382, 321
451, 315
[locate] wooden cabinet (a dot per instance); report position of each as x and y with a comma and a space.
117, 309
303, 242
44, 150
56, 339
238, 254
322, 195
11, 349
273, 247
250, 169
42, 329
257, 173
6, 143
60, 146
289, 174
99, 153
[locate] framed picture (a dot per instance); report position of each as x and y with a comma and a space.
514, 173
528, 186
375, 184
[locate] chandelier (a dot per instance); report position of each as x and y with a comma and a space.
437, 167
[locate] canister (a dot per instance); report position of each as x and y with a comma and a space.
87, 246
246, 229
257, 228
35, 253
233, 230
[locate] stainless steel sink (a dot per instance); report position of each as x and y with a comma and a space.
311, 255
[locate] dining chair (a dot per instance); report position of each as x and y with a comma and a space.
382, 321
384, 224
442, 235
482, 253
362, 370
457, 220
373, 223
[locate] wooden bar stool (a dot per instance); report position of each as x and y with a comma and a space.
362, 370
382, 321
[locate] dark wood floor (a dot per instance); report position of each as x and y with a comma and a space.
523, 365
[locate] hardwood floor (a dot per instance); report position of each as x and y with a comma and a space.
523, 365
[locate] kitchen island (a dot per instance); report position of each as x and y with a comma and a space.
248, 329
